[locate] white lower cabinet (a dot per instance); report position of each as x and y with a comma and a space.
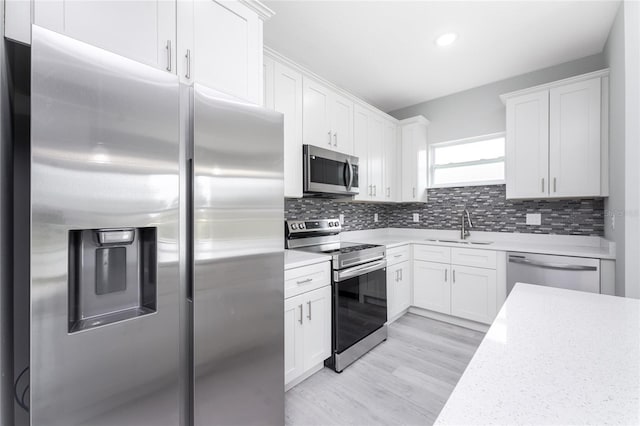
473, 293
431, 288
461, 290
307, 332
398, 289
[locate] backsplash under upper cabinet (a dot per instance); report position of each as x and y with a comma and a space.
489, 208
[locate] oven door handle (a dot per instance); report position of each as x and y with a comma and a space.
359, 270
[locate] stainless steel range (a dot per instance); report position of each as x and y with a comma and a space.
359, 287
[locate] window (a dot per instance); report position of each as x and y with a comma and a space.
466, 162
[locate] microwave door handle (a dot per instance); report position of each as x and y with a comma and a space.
349, 181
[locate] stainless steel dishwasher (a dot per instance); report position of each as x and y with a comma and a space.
573, 273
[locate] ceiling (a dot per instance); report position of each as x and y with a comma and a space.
384, 51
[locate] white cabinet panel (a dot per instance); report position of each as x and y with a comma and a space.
293, 338
429, 253
398, 289
306, 278
527, 146
474, 293
390, 155
398, 254
142, 30
414, 160
474, 257
361, 150
316, 121
317, 327
227, 48
287, 99
574, 139
376, 158
342, 123
431, 288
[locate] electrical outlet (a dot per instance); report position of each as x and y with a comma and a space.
375, 217
341, 218
416, 217
534, 219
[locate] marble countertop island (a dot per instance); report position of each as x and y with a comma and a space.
553, 356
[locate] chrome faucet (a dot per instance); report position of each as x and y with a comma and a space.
464, 232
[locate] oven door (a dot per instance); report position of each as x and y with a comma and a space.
329, 172
359, 303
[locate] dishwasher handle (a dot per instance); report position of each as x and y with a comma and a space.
549, 265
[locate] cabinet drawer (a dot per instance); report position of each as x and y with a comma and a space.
432, 253
473, 257
397, 254
306, 278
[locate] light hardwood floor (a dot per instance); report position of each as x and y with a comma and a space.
403, 381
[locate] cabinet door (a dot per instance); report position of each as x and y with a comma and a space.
414, 163
527, 146
390, 156
142, 30
227, 48
361, 150
376, 160
403, 289
393, 279
342, 123
574, 139
316, 118
473, 293
287, 99
431, 289
317, 326
268, 82
293, 337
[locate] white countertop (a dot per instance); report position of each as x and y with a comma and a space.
566, 245
297, 259
553, 356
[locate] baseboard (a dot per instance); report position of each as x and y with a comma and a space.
449, 319
392, 319
304, 376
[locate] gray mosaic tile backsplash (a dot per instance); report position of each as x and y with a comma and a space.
489, 209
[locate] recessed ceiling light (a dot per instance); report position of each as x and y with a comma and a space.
446, 39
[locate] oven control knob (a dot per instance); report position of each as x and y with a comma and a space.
337, 224
301, 226
294, 226
330, 224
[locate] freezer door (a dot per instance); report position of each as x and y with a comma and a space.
104, 238
239, 262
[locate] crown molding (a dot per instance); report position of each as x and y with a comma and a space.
260, 8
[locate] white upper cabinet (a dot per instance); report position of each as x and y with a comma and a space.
376, 158
220, 46
327, 117
144, 31
369, 148
414, 159
556, 146
390, 155
361, 150
574, 139
527, 150
283, 93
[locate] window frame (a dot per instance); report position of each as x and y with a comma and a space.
433, 167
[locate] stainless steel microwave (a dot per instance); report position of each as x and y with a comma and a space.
329, 173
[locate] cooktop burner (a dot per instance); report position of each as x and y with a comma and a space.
339, 248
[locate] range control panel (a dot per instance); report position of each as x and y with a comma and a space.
321, 225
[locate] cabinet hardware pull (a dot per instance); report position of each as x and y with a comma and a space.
300, 320
542, 184
414, 192
168, 55
388, 191
398, 255
309, 316
371, 190
335, 139
445, 275
329, 133
308, 280
400, 270
397, 275
188, 57
375, 191
454, 275
554, 184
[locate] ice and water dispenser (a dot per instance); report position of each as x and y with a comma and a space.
112, 275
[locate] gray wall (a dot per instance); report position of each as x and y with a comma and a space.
480, 111
615, 204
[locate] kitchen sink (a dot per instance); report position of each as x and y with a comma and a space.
474, 242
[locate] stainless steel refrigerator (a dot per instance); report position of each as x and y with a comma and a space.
156, 253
